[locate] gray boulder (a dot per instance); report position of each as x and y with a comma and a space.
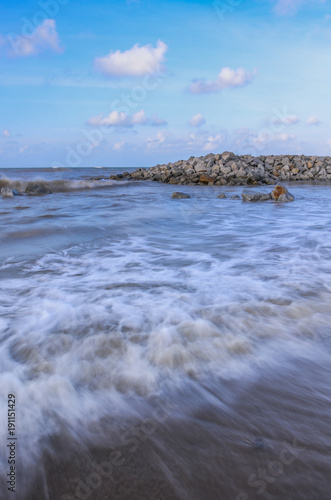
285, 198
201, 167
227, 156
221, 196
180, 195
7, 192
251, 195
235, 197
36, 189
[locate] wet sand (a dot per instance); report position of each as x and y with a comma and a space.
269, 438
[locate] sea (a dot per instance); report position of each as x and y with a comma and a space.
161, 348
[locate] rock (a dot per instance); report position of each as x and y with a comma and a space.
227, 155
180, 195
7, 192
200, 167
205, 179
253, 176
232, 170
278, 191
251, 195
36, 189
221, 196
284, 198
235, 197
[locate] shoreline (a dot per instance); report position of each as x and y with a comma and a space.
249, 440
228, 169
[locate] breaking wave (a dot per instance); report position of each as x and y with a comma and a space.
58, 185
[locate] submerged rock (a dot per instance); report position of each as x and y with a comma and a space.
180, 195
284, 198
278, 191
251, 195
235, 197
36, 189
7, 192
221, 196
281, 194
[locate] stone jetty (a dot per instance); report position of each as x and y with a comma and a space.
230, 170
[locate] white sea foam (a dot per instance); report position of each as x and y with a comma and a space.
58, 185
171, 294
127, 319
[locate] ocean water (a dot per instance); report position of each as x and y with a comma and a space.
112, 294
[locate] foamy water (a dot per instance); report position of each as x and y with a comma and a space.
113, 292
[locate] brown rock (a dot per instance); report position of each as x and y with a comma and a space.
278, 191
206, 179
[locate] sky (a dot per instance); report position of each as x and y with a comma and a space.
134, 83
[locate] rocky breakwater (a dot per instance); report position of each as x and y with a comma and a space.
229, 169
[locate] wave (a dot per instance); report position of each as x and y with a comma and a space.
58, 185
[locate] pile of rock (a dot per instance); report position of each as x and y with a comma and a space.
230, 169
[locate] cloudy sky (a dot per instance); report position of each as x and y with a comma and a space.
139, 82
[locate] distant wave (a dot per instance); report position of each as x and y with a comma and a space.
58, 185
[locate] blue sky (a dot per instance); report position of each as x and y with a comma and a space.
134, 83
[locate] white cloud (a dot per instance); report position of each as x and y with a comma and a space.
213, 142
158, 122
197, 142
155, 142
284, 7
118, 146
44, 37
6, 133
256, 142
197, 120
139, 118
329, 142
227, 78
287, 120
22, 149
121, 119
313, 120
283, 138
137, 61
265, 138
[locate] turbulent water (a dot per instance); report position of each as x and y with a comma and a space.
113, 294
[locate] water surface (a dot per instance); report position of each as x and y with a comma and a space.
113, 294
